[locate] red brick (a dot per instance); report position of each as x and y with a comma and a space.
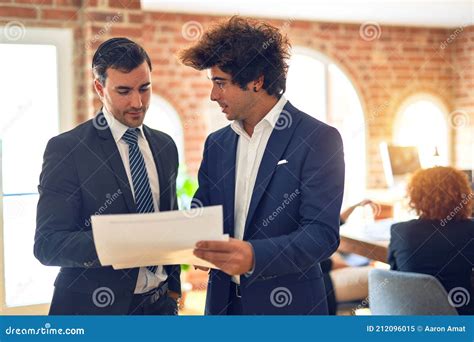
17, 12
115, 17
35, 2
125, 31
59, 14
130, 4
74, 3
136, 18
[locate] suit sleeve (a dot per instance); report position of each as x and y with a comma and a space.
174, 272
201, 197
61, 239
316, 235
392, 261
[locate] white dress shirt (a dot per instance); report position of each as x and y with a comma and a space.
250, 150
146, 280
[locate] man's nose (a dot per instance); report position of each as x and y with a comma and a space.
136, 101
215, 94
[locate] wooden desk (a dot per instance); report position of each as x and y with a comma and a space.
355, 240
375, 250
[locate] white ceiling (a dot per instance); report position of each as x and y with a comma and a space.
431, 13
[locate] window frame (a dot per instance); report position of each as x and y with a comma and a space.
438, 102
62, 39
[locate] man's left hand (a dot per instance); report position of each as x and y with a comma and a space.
233, 257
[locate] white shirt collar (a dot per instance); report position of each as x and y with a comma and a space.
117, 128
271, 118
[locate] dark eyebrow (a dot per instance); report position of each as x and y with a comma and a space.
128, 88
218, 79
123, 88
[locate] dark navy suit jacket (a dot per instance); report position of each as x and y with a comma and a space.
293, 218
83, 174
445, 252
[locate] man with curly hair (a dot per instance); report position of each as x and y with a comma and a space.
277, 172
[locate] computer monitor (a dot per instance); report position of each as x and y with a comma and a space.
469, 175
399, 162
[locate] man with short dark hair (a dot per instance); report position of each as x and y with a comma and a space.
278, 172
111, 164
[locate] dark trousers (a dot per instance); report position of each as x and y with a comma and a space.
235, 301
155, 302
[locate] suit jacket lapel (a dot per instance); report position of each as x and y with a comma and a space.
112, 155
228, 175
276, 146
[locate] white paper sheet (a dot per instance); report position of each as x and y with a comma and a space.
165, 238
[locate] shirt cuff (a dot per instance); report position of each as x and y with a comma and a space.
249, 273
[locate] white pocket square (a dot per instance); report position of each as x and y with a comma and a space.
283, 161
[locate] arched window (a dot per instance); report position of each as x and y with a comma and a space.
162, 116
422, 122
320, 88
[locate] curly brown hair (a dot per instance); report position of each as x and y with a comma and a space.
245, 49
440, 192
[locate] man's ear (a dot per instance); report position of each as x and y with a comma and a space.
258, 83
99, 88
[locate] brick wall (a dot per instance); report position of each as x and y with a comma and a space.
386, 65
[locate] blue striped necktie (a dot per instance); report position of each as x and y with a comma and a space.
141, 183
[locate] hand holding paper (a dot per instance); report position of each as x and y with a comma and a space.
234, 257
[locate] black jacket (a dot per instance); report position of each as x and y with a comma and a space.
445, 252
83, 174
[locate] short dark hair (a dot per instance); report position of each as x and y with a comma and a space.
118, 53
245, 49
